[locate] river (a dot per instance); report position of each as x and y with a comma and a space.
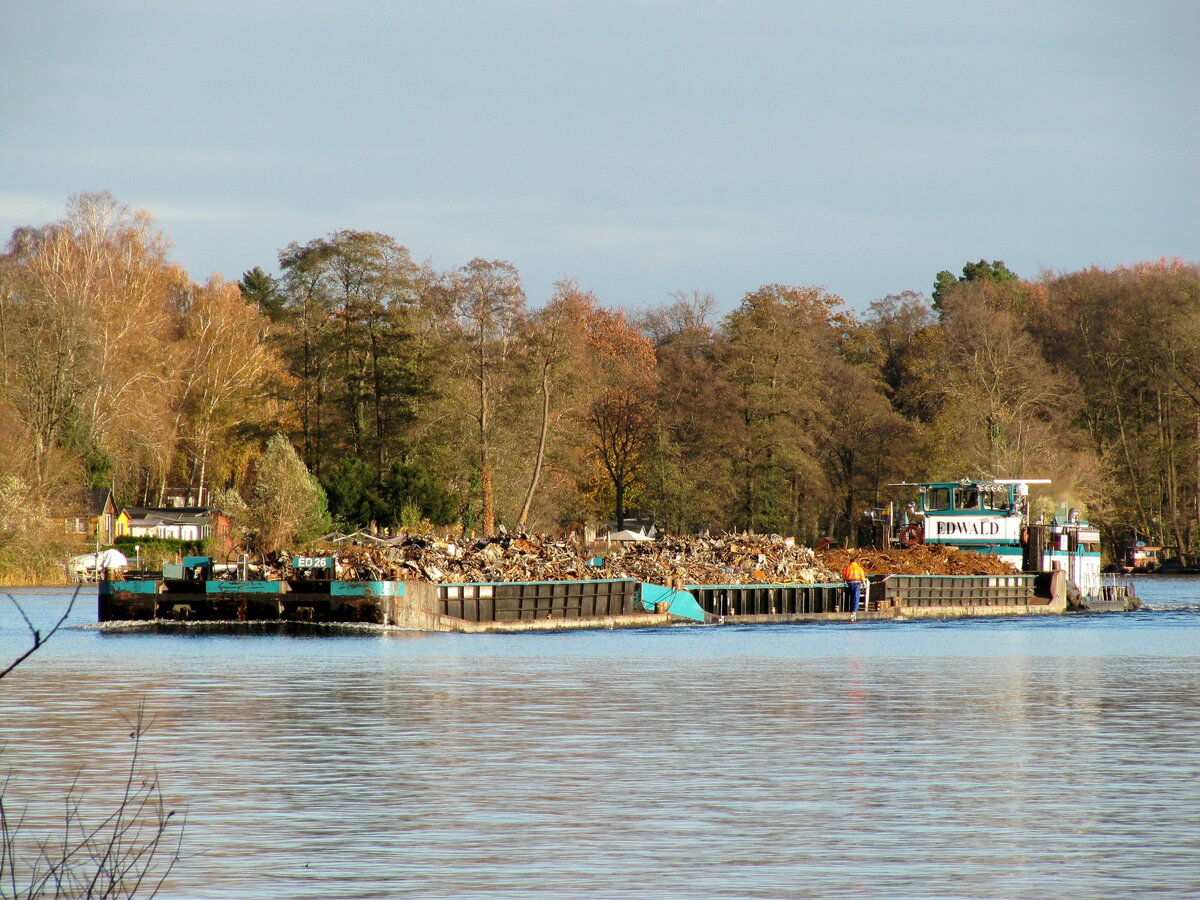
1038, 757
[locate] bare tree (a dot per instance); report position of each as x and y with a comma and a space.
126, 853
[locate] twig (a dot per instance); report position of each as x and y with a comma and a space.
126, 854
38, 640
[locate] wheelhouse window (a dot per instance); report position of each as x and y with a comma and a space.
966, 497
937, 498
995, 496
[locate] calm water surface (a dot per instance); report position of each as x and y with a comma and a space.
997, 758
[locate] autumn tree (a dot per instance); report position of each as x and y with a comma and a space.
31, 549
692, 475
85, 324
288, 504
620, 422
616, 369
864, 443
489, 303
901, 325
1129, 336
1004, 407
778, 343
555, 347
227, 377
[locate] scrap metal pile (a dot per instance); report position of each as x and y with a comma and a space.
923, 559
672, 561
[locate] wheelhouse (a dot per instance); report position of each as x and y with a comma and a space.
993, 517
986, 516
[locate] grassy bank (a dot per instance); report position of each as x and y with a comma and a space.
37, 568
44, 562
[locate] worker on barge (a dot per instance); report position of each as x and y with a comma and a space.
856, 579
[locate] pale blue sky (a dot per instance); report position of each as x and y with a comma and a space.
640, 146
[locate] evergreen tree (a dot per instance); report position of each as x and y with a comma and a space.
994, 272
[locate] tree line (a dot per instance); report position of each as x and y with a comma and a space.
418, 397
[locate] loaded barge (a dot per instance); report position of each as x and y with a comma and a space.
1059, 565
190, 596
198, 591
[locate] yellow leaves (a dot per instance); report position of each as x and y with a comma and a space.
811, 306
225, 369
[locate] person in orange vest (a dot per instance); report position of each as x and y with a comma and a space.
856, 578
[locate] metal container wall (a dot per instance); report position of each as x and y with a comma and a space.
507, 602
769, 599
958, 590
127, 600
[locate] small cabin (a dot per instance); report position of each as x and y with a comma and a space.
90, 517
1138, 556
181, 523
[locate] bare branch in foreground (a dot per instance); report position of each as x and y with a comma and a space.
126, 854
38, 638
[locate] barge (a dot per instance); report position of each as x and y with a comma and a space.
194, 592
199, 591
1056, 569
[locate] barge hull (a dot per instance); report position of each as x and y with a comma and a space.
555, 606
418, 606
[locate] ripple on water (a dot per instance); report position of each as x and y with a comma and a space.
1004, 758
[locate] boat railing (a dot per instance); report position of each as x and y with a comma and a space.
1115, 587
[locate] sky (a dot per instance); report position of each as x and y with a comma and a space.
641, 147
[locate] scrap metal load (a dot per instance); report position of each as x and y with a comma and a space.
923, 559
673, 561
